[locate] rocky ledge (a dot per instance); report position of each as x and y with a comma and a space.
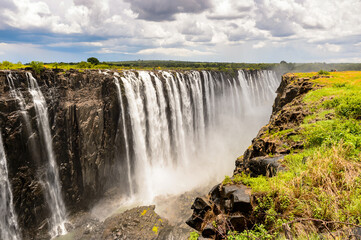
230, 205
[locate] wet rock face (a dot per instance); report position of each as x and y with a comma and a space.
83, 113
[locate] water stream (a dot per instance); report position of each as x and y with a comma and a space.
51, 182
9, 228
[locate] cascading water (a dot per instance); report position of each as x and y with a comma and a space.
15, 93
186, 126
125, 135
9, 228
51, 182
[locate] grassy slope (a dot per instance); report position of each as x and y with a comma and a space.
323, 180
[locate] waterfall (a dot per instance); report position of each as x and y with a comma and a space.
9, 229
136, 113
125, 135
15, 93
184, 125
51, 182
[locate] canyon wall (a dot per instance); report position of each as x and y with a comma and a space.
97, 139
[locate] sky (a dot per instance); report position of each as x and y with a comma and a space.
190, 30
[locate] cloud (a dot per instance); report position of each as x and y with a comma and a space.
329, 47
203, 28
69, 44
259, 45
164, 10
230, 9
179, 52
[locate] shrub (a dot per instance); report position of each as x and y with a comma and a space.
83, 64
37, 66
322, 72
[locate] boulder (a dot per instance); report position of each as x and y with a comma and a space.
239, 222
200, 207
239, 197
266, 166
209, 231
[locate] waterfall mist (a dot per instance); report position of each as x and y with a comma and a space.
185, 129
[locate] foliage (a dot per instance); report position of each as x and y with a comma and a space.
193, 236
259, 232
37, 66
93, 60
9, 65
322, 72
83, 64
350, 107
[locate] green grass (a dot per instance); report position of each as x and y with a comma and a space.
322, 181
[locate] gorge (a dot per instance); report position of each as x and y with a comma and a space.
70, 136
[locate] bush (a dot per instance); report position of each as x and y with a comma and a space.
83, 64
37, 66
322, 72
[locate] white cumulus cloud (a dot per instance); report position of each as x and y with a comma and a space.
203, 28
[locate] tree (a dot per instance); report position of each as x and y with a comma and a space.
93, 60
37, 66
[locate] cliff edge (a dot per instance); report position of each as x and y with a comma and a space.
301, 175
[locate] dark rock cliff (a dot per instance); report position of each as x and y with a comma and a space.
83, 112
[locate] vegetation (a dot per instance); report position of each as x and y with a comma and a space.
321, 72
9, 65
282, 67
259, 232
37, 66
320, 191
193, 236
93, 60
